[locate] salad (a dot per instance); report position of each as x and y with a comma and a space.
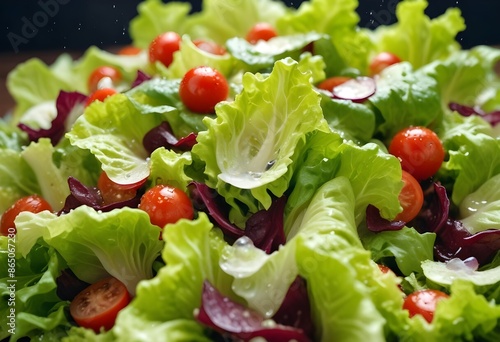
281, 175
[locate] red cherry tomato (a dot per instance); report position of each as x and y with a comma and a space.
112, 192
166, 204
100, 95
261, 31
202, 88
209, 46
420, 151
332, 82
382, 61
384, 268
162, 48
32, 203
411, 198
98, 305
129, 51
101, 72
423, 303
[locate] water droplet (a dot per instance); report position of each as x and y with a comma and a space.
270, 164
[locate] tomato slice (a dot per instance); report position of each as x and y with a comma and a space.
423, 303
209, 46
112, 192
98, 305
100, 95
420, 151
166, 204
382, 61
261, 31
331, 82
411, 198
101, 72
162, 48
32, 203
202, 88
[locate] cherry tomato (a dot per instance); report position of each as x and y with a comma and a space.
129, 51
423, 303
332, 82
101, 72
420, 151
202, 88
382, 61
98, 305
112, 192
100, 95
32, 203
261, 31
411, 198
166, 204
162, 48
384, 268
209, 46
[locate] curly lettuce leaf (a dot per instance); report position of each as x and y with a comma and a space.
418, 39
167, 167
251, 143
121, 243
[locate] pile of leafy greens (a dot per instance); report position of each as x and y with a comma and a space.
283, 175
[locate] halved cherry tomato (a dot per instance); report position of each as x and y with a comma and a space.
98, 305
129, 51
112, 192
100, 95
166, 204
420, 151
32, 203
261, 31
332, 82
423, 303
202, 88
101, 72
382, 61
209, 46
162, 48
411, 198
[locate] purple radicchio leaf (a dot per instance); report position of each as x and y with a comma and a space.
377, 223
140, 78
162, 136
69, 105
492, 117
81, 194
264, 228
434, 213
230, 318
69, 285
295, 311
455, 241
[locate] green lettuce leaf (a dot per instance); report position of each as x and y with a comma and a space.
167, 167
249, 147
121, 243
418, 39
38, 311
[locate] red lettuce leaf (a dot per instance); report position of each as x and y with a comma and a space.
162, 136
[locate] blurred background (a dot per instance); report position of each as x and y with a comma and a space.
77, 24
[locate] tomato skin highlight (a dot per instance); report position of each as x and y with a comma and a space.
162, 48
112, 192
100, 95
411, 198
101, 72
423, 303
331, 82
382, 61
420, 151
32, 203
166, 204
202, 88
261, 31
210, 47
98, 305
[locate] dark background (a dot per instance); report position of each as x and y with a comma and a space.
77, 24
